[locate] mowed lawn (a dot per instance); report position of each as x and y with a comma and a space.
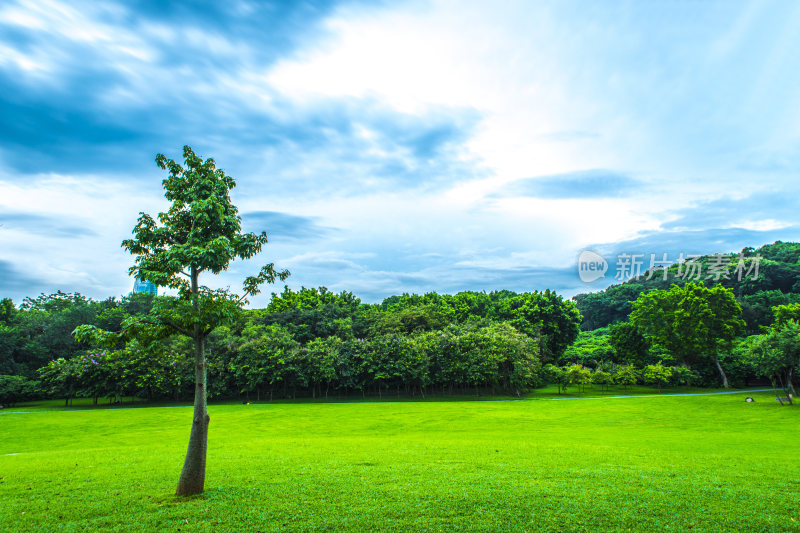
702, 463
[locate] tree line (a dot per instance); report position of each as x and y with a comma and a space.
317, 343
310, 342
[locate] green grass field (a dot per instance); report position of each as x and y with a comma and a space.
701, 463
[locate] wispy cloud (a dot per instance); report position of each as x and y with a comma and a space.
45, 225
284, 225
595, 183
776, 208
15, 283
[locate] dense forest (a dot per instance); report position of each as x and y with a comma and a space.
316, 343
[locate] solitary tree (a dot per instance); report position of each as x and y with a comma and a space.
694, 323
200, 233
578, 376
626, 375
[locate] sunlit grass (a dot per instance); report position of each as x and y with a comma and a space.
710, 463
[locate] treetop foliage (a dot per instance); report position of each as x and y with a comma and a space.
200, 232
692, 321
312, 298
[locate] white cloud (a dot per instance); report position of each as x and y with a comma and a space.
675, 96
92, 260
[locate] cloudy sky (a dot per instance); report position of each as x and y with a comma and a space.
400, 146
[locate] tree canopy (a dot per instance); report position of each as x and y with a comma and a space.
692, 322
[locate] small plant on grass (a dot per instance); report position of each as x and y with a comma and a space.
556, 375
577, 375
658, 374
602, 378
60, 378
626, 375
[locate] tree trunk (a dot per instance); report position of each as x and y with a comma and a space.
722, 373
193, 475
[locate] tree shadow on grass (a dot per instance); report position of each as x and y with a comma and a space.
171, 500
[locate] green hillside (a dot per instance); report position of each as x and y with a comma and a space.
760, 279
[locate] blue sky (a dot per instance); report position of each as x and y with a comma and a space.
400, 146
